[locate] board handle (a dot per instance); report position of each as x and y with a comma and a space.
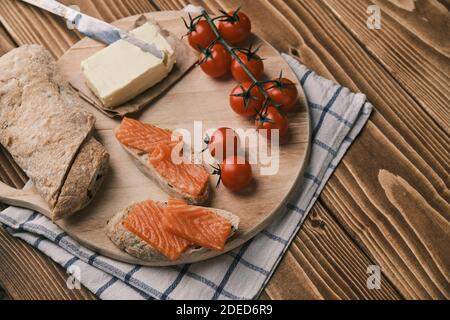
7, 191
24, 198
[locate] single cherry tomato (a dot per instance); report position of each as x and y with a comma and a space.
253, 63
271, 120
235, 28
215, 61
223, 143
236, 173
244, 101
283, 93
200, 35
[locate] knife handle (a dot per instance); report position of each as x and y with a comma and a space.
52, 6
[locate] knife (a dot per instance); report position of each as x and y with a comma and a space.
94, 28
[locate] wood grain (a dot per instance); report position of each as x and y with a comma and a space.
402, 222
407, 47
27, 274
112, 10
3, 295
419, 152
324, 263
424, 164
53, 32
6, 43
428, 20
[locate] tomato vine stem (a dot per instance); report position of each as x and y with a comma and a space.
231, 50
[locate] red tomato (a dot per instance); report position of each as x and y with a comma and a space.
283, 92
241, 94
253, 63
272, 119
223, 143
236, 173
235, 28
201, 35
215, 61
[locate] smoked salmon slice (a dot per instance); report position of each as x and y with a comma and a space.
145, 221
142, 136
189, 178
198, 225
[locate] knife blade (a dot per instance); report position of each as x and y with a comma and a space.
94, 28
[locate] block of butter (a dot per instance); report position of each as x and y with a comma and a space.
122, 71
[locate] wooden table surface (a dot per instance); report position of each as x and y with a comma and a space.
387, 203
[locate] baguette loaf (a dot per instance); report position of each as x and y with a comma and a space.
47, 129
135, 246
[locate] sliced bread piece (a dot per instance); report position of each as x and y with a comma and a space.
137, 247
83, 180
142, 161
152, 149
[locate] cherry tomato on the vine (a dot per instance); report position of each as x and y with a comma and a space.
271, 119
236, 173
235, 28
200, 35
253, 63
283, 93
246, 101
223, 143
215, 61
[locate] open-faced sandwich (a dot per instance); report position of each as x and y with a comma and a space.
150, 230
151, 147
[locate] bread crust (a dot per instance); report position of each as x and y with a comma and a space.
142, 161
83, 180
136, 247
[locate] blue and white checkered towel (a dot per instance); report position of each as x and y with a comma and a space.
337, 117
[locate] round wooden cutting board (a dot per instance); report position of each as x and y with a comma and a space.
195, 98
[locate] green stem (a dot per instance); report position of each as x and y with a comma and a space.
235, 56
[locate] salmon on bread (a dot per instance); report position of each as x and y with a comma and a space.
200, 226
152, 149
145, 230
